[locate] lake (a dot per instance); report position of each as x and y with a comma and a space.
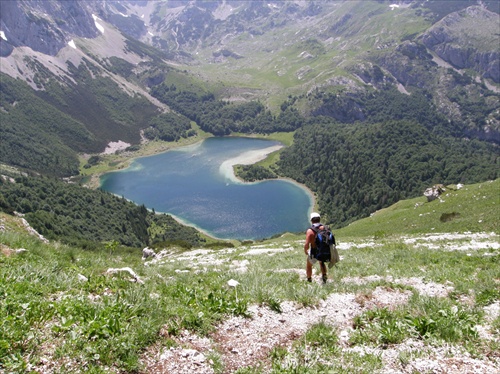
196, 185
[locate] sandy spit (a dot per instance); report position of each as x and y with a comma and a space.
247, 158
252, 157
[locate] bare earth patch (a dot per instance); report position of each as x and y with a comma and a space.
112, 147
424, 288
244, 342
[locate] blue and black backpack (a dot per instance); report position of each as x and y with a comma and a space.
324, 240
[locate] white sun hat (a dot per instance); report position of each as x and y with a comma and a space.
315, 215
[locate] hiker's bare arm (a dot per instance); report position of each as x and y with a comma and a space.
309, 240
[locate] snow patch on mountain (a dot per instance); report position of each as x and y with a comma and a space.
97, 24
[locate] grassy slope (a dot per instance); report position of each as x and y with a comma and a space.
47, 311
478, 207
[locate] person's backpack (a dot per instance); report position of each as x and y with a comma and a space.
325, 241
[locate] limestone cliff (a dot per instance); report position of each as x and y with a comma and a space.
468, 39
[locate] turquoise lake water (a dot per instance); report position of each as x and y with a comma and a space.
195, 185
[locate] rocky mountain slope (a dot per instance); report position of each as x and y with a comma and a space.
271, 50
457, 40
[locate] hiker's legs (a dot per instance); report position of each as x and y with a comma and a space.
324, 273
309, 269
323, 269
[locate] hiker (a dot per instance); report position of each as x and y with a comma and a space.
310, 247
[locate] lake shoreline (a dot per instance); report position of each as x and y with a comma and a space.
227, 169
253, 157
123, 159
247, 158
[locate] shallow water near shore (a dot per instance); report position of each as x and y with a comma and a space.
196, 184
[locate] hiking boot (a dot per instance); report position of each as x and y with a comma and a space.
325, 278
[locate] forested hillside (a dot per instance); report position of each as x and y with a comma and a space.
360, 168
220, 117
87, 218
45, 130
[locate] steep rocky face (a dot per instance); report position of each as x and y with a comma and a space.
410, 64
462, 39
186, 25
44, 25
